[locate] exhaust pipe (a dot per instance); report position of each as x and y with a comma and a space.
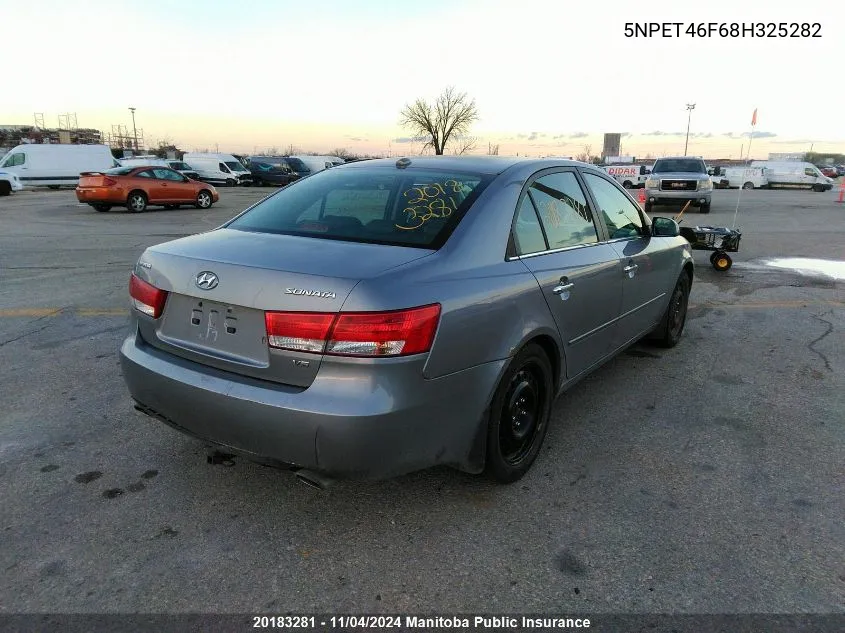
314, 480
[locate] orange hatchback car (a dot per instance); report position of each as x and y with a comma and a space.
138, 187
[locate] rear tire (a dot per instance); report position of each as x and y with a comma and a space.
628, 184
204, 199
136, 202
748, 185
671, 327
102, 208
519, 415
5, 188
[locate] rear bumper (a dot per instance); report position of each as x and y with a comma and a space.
348, 423
98, 194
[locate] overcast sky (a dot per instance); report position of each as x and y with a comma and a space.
548, 77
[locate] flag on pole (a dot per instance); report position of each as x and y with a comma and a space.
754, 118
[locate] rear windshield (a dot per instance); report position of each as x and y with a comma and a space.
684, 165
407, 207
121, 171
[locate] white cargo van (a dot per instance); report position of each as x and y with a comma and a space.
794, 174
746, 177
222, 169
629, 176
54, 165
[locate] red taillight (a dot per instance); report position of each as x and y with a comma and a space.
146, 297
396, 333
300, 331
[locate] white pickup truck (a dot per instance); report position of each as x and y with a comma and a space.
9, 182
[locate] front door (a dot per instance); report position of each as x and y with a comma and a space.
557, 238
645, 261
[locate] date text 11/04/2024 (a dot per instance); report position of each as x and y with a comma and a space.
724, 29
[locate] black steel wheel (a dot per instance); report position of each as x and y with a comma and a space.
722, 261
519, 415
668, 333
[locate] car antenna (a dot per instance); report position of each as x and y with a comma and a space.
402, 163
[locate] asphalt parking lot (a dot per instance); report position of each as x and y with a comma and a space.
707, 478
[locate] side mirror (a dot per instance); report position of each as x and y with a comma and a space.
665, 227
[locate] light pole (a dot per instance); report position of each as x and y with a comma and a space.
690, 108
134, 129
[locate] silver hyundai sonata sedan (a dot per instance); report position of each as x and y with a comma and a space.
390, 315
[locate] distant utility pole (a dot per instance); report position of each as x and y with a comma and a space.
690, 108
134, 129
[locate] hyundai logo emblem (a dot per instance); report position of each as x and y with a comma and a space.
207, 280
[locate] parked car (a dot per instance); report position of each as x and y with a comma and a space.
828, 170
9, 182
54, 165
678, 180
154, 161
840, 170
221, 169
271, 170
136, 188
384, 316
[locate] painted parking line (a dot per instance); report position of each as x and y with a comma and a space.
16, 313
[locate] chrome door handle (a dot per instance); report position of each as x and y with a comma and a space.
563, 288
628, 269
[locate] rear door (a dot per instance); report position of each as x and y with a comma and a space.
646, 263
557, 238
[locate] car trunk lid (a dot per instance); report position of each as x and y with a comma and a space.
221, 283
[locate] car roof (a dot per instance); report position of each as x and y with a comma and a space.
488, 165
679, 158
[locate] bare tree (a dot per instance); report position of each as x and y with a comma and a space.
492, 150
451, 115
464, 145
340, 152
292, 149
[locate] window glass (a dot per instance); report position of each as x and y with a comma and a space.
527, 234
175, 176
622, 216
15, 160
409, 207
223, 168
563, 210
147, 173
162, 174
